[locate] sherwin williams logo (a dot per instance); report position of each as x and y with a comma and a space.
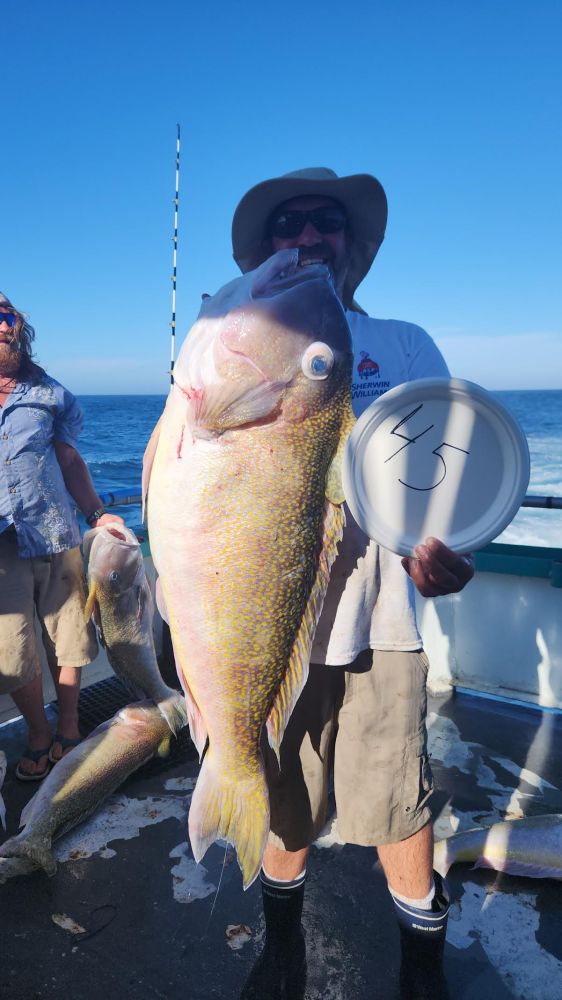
367, 368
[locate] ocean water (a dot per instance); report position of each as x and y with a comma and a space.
117, 429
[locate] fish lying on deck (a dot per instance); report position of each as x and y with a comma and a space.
84, 777
121, 604
531, 847
245, 515
3, 766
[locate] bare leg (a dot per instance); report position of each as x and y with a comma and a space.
29, 701
408, 865
67, 683
284, 865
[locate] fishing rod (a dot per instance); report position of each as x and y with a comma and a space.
175, 243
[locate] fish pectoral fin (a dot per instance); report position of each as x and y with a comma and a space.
296, 673
233, 808
91, 602
174, 710
92, 610
147, 463
334, 484
225, 405
164, 747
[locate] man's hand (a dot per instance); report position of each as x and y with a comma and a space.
436, 570
107, 519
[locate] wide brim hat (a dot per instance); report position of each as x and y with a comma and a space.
361, 195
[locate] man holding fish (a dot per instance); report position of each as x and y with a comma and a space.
287, 627
365, 698
40, 562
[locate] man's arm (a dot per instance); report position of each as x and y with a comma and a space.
79, 484
436, 570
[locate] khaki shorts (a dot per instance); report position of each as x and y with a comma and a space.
365, 721
53, 588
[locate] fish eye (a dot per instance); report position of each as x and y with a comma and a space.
113, 576
317, 361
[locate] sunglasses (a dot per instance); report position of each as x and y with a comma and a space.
9, 318
290, 223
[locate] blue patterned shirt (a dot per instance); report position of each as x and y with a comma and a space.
33, 496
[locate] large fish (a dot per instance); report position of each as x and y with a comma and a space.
83, 779
530, 847
121, 604
245, 515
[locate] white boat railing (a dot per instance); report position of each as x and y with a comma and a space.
128, 497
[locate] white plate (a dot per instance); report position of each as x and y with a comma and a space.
436, 456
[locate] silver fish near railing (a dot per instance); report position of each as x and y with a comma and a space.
121, 605
531, 847
81, 781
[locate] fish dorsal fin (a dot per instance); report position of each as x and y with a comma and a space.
147, 463
334, 487
296, 673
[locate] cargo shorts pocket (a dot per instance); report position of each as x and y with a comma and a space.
417, 784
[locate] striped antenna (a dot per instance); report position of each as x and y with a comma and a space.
175, 240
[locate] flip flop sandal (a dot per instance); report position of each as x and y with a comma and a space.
35, 756
66, 743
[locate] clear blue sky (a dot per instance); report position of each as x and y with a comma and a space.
453, 104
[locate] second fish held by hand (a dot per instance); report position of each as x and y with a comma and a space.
121, 604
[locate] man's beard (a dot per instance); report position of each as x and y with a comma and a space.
10, 360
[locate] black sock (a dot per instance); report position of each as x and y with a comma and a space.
282, 907
422, 940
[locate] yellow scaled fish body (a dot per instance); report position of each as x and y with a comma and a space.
81, 781
245, 515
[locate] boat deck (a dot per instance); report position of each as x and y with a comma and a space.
149, 922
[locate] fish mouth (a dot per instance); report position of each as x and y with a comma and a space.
293, 267
315, 256
118, 534
307, 266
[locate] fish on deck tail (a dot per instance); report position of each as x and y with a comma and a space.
121, 604
85, 776
245, 512
531, 847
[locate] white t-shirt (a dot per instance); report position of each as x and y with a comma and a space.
370, 598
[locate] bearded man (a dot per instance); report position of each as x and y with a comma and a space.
364, 704
41, 570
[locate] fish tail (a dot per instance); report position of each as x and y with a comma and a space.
443, 857
231, 808
174, 710
38, 852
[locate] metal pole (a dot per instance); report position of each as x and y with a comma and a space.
175, 241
